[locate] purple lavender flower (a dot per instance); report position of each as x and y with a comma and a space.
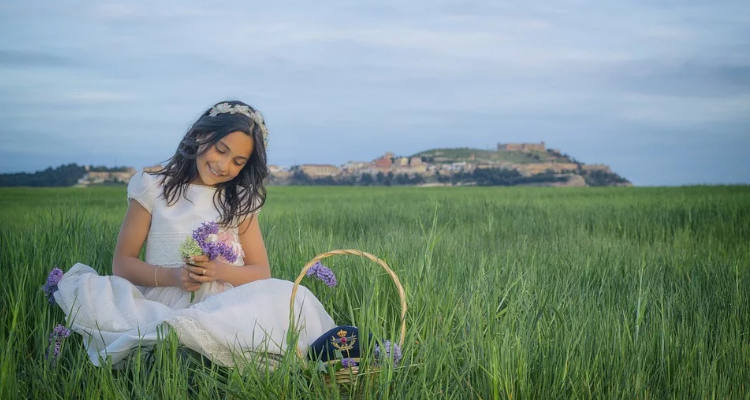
59, 333
323, 273
348, 362
50, 286
392, 350
206, 236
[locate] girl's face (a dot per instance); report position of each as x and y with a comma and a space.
224, 160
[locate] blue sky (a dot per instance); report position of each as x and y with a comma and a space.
658, 90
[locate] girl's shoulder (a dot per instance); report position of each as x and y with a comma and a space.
144, 187
146, 178
153, 169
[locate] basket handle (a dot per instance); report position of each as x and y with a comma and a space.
394, 277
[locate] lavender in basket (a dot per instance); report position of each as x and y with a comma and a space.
323, 273
389, 350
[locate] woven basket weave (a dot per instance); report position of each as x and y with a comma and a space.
348, 374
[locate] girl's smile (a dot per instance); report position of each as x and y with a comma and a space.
219, 175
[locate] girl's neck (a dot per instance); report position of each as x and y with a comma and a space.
201, 185
197, 182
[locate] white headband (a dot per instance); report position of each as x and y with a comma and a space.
255, 116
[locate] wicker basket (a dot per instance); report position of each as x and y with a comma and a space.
349, 374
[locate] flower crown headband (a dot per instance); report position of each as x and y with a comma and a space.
254, 115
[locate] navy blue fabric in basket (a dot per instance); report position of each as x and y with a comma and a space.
343, 338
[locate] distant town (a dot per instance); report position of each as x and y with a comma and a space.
510, 164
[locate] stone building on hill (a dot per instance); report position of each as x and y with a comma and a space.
278, 172
356, 166
385, 162
319, 170
99, 177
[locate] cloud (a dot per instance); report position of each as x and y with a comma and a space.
138, 11
97, 97
686, 78
26, 58
667, 110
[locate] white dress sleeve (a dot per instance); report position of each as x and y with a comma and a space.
142, 188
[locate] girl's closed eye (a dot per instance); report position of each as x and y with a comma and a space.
221, 150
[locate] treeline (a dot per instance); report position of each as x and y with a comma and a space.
479, 177
602, 178
379, 179
504, 177
64, 175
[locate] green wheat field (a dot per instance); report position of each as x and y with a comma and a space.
513, 293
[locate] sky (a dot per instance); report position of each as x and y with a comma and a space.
658, 90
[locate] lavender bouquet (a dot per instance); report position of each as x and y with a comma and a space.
208, 239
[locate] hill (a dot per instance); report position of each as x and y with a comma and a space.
548, 166
466, 154
510, 165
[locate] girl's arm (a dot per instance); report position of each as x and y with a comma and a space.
126, 263
256, 260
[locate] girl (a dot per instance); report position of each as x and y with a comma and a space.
216, 175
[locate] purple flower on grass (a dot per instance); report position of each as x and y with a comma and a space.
348, 363
59, 333
323, 273
207, 236
50, 287
391, 350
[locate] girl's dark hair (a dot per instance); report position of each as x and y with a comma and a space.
234, 199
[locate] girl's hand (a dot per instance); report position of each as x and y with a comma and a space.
204, 270
182, 277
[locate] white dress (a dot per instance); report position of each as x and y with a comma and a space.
223, 322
